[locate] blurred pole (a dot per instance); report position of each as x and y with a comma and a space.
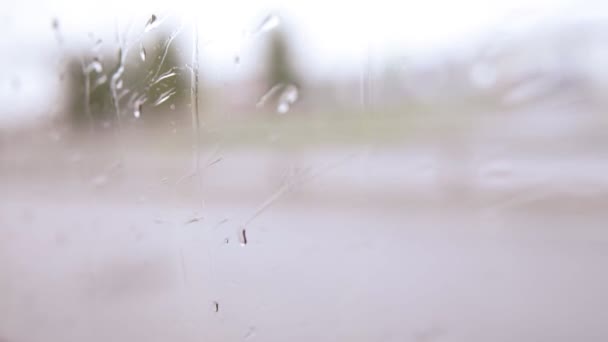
365, 84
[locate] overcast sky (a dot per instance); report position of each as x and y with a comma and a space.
332, 36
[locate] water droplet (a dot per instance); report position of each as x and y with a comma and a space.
55, 26
169, 73
219, 159
290, 94
283, 108
288, 97
194, 219
269, 23
243, 237
96, 66
151, 23
226, 240
137, 112
116, 76
172, 107
164, 97
119, 84
138, 104
237, 59
268, 94
216, 306
142, 52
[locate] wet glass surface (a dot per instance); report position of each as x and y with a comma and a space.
303, 171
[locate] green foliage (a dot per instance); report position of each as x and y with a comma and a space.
162, 58
279, 68
77, 81
87, 91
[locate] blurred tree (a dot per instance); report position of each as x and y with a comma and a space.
86, 92
161, 78
279, 68
153, 79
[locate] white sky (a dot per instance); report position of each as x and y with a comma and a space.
332, 35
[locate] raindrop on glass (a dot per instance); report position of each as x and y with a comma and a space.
164, 97
137, 111
216, 306
243, 237
119, 84
138, 107
55, 26
142, 53
217, 160
269, 23
96, 66
170, 73
151, 23
288, 97
282, 108
194, 220
270, 93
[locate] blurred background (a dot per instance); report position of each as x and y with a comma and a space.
262, 170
